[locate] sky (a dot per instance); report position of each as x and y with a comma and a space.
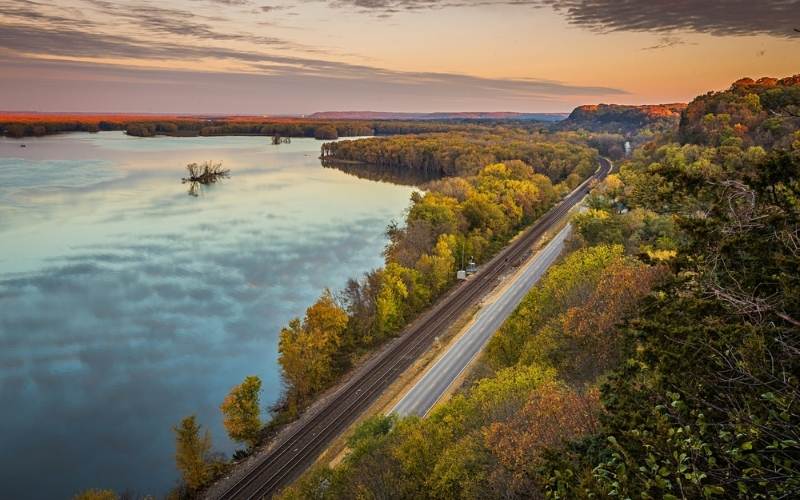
302, 56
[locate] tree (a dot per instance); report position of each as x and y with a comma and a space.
326, 132
16, 130
95, 494
553, 415
308, 349
192, 450
525, 335
438, 269
359, 299
241, 411
402, 293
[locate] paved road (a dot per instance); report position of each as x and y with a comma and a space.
301, 443
437, 379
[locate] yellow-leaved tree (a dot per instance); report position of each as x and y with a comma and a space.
95, 494
192, 448
242, 413
308, 348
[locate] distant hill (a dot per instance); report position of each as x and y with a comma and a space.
478, 115
624, 119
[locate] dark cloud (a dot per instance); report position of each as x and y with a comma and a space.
304, 84
170, 21
726, 17
665, 42
35, 38
30, 11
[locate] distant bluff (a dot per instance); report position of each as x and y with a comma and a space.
624, 119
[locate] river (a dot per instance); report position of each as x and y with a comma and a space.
126, 303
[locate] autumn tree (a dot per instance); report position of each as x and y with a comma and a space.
554, 415
590, 343
241, 411
96, 494
326, 132
359, 300
308, 348
438, 269
192, 449
525, 335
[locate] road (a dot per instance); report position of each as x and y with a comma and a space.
440, 376
300, 445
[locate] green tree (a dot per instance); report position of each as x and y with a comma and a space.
242, 413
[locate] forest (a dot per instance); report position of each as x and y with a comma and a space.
19, 125
459, 153
455, 218
658, 359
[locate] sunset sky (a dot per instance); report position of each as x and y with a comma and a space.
301, 56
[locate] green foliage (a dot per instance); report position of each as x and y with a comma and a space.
706, 403
326, 132
764, 112
393, 295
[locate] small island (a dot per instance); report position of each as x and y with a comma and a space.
206, 173
203, 174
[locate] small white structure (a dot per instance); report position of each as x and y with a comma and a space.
461, 274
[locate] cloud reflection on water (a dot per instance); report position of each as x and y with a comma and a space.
134, 317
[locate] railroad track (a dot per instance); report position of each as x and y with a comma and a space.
289, 458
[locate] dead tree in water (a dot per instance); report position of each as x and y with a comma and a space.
206, 173
203, 174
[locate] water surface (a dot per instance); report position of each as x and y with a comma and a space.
126, 304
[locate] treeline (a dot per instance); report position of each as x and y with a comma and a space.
18, 130
33, 125
465, 153
659, 360
458, 218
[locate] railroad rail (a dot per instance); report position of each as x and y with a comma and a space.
291, 456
